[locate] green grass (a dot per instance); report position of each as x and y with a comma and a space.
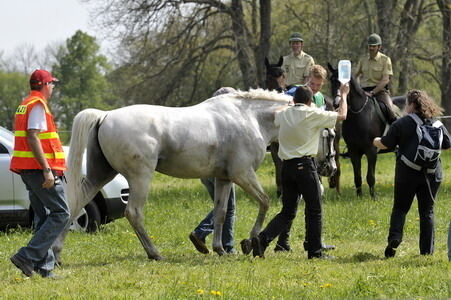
112, 263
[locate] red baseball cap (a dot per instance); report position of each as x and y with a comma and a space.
40, 77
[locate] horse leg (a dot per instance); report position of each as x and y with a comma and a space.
274, 147
370, 175
99, 173
248, 182
334, 180
134, 212
357, 167
222, 193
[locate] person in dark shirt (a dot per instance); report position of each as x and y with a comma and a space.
410, 182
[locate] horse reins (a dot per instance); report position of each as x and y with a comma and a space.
360, 110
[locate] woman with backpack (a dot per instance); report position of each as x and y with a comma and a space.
418, 170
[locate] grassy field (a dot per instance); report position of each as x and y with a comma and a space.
112, 263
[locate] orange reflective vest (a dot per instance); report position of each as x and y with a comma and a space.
23, 158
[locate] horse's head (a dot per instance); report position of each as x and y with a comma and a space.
325, 158
275, 79
335, 86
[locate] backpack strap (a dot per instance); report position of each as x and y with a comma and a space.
416, 118
419, 122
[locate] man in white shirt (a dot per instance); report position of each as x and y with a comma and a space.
299, 131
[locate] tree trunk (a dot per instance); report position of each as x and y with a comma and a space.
404, 70
445, 8
264, 45
242, 45
410, 19
385, 10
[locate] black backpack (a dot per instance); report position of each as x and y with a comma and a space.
423, 153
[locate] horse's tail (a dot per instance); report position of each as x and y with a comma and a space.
84, 121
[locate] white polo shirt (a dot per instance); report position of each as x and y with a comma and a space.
299, 129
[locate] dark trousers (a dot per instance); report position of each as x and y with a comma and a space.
299, 177
408, 184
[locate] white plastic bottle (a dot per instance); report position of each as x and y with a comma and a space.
344, 71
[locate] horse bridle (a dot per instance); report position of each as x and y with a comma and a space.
326, 143
337, 99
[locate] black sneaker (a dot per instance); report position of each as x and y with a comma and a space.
282, 248
390, 250
321, 256
258, 248
23, 264
198, 243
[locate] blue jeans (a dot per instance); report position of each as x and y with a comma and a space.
206, 226
51, 216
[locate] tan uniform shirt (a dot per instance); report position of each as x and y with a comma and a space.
299, 129
297, 67
373, 69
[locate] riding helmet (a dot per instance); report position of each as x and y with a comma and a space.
374, 40
296, 37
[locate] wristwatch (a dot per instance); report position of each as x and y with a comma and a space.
47, 170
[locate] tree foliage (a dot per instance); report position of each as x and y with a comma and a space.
13, 88
81, 71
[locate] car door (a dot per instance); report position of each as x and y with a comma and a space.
7, 207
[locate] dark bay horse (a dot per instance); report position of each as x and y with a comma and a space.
362, 125
328, 148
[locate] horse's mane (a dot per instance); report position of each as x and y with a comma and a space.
261, 94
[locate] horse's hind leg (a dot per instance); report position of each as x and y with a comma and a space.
134, 212
370, 175
222, 193
99, 172
357, 167
250, 185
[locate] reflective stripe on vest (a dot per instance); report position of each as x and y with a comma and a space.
41, 136
57, 155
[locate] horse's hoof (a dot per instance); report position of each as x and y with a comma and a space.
246, 246
156, 257
359, 193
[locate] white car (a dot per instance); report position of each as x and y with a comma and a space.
15, 210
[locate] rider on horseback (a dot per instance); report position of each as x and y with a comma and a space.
374, 71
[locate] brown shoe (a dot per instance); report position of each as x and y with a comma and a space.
198, 243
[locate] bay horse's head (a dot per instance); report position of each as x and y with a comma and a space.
275, 78
325, 159
355, 88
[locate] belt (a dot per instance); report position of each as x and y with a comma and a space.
29, 171
299, 158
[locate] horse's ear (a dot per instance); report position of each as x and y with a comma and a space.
280, 63
329, 66
267, 62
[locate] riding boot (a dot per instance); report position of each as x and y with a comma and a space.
384, 97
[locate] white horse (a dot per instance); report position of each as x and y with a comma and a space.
223, 137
